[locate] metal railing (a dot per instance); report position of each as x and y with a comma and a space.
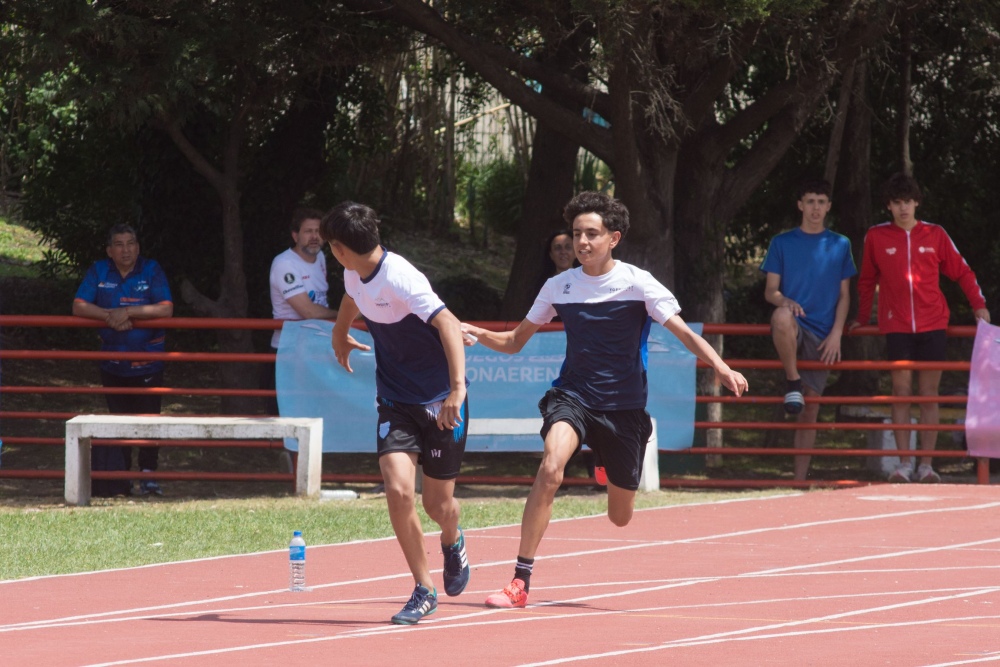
37, 321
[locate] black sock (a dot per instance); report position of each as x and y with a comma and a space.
794, 385
522, 571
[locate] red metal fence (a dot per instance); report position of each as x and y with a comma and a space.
30, 322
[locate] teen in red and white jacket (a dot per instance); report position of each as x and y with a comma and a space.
906, 266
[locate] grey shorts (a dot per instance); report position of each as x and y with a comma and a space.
808, 350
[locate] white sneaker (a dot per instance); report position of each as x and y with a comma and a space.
927, 475
901, 475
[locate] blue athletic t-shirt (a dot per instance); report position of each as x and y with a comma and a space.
811, 267
607, 320
398, 304
145, 284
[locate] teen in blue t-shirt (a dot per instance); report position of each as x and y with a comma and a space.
809, 272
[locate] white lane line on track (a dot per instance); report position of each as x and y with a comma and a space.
476, 619
326, 604
428, 627
629, 547
779, 635
992, 657
389, 538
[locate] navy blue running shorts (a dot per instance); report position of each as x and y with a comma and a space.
617, 437
408, 427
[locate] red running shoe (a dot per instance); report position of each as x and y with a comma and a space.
512, 596
600, 476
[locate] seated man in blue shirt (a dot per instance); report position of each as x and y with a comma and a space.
119, 290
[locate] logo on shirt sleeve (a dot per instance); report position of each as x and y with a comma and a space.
890, 251
289, 278
566, 288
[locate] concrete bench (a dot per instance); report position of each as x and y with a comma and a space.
79, 431
650, 480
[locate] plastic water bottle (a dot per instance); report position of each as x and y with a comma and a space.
297, 562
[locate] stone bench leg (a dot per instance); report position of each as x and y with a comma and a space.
77, 467
650, 480
309, 462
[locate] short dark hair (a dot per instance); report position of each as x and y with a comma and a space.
352, 224
816, 186
901, 186
121, 228
613, 212
302, 214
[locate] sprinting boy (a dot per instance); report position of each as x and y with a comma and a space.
600, 396
905, 259
420, 381
809, 270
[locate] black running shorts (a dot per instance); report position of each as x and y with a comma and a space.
405, 427
617, 437
924, 346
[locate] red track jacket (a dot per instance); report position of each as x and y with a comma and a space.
906, 266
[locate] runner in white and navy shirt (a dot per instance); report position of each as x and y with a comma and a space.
421, 393
599, 397
607, 320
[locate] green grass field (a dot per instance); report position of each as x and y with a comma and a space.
53, 539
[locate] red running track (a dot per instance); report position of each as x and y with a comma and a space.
880, 575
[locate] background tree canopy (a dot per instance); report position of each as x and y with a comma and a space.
206, 123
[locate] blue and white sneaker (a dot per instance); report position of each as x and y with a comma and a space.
794, 402
456, 566
147, 487
423, 602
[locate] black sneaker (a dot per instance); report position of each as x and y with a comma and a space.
422, 603
456, 566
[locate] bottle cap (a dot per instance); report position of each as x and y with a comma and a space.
297, 533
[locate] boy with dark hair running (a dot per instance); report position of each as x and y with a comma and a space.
809, 270
600, 396
905, 259
422, 402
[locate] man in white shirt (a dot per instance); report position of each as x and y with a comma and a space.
298, 282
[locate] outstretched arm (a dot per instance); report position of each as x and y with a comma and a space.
507, 342
700, 348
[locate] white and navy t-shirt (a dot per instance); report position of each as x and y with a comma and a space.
398, 305
291, 275
607, 320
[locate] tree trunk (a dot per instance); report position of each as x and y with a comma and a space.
551, 175
701, 250
852, 204
550, 186
905, 84
232, 301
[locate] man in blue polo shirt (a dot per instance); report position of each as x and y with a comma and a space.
809, 270
119, 290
